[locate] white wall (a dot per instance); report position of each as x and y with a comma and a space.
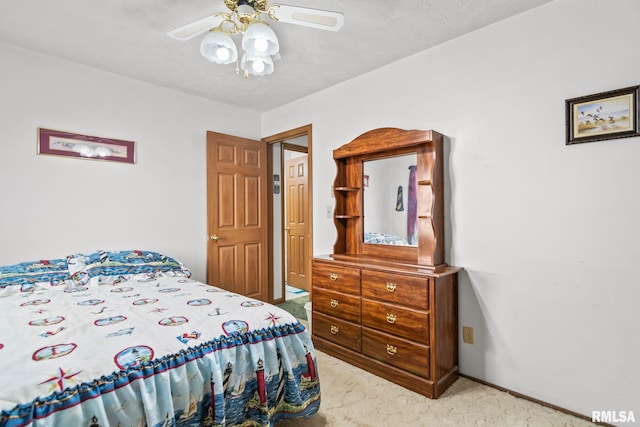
547, 233
53, 206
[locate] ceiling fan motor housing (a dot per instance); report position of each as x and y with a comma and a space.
260, 5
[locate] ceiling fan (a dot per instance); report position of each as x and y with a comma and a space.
259, 42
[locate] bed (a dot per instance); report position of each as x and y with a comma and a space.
128, 338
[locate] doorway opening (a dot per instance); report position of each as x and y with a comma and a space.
295, 215
290, 207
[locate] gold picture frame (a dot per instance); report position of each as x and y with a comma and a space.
602, 116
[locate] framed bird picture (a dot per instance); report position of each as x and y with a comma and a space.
605, 115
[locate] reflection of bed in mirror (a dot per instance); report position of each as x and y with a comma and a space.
389, 200
384, 239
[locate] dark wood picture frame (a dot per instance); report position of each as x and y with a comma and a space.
603, 116
58, 143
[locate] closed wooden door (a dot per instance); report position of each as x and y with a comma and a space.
237, 215
297, 222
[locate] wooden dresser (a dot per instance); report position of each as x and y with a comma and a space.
396, 321
391, 310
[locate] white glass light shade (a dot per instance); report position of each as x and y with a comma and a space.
260, 40
257, 65
218, 47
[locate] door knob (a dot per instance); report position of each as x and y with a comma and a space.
214, 238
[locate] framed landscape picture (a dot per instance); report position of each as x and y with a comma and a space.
606, 115
69, 144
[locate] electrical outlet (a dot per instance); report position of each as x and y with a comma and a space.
467, 334
329, 211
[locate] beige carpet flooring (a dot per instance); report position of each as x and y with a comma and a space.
352, 397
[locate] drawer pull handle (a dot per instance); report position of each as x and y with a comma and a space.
391, 287
334, 303
392, 349
333, 276
334, 329
391, 318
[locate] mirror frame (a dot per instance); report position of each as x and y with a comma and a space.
381, 143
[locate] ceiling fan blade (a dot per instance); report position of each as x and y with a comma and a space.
315, 18
195, 28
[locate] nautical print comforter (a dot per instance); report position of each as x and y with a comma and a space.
154, 351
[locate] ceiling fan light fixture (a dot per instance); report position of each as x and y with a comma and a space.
223, 53
260, 45
257, 65
217, 46
259, 39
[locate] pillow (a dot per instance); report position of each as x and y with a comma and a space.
119, 266
29, 274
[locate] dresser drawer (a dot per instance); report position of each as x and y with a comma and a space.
336, 330
396, 320
395, 351
396, 288
337, 304
336, 277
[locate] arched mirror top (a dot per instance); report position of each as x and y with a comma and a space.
382, 140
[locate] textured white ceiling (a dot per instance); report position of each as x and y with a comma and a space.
128, 37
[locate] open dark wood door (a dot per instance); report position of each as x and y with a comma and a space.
237, 252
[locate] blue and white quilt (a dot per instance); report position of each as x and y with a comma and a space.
150, 348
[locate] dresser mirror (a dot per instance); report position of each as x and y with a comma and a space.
390, 200
366, 164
